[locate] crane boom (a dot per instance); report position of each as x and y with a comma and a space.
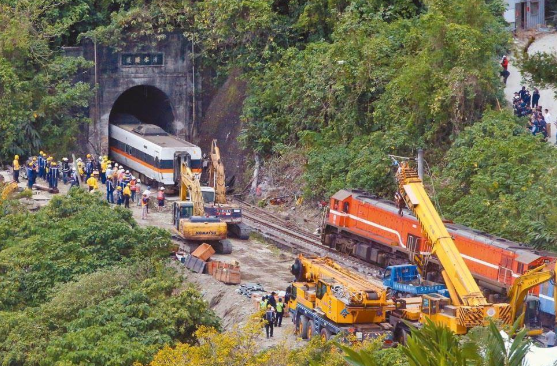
443, 246
217, 177
189, 183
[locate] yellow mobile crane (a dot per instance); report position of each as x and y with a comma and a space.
229, 213
522, 303
328, 299
467, 306
189, 217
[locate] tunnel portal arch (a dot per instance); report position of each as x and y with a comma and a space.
148, 104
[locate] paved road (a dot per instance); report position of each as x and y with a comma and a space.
543, 43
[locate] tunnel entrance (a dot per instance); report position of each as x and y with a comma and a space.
146, 103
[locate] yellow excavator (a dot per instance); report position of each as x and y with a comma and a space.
227, 212
522, 303
466, 307
327, 299
189, 217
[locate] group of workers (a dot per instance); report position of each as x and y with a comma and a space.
273, 312
121, 186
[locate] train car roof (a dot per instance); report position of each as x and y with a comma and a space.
167, 140
525, 254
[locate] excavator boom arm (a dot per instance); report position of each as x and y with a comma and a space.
523, 284
188, 182
217, 177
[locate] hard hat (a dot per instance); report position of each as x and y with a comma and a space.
161, 188
95, 172
269, 306
34, 158
144, 193
139, 181
64, 159
128, 185
127, 171
44, 154
119, 188
73, 168
79, 159
88, 155
105, 157
109, 166
16, 157
115, 164
30, 164
49, 158
53, 163
41, 153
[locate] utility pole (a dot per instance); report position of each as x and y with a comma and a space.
421, 164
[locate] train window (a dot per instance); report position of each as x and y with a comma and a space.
196, 164
321, 290
157, 162
345, 207
166, 164
520, 268
335, 205
413, 243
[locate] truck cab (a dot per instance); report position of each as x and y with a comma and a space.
405, 279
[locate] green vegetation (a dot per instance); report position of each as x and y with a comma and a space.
81, 283
499, 178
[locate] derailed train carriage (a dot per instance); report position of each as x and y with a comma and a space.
370, 228
151, 152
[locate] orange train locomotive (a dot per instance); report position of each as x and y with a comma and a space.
371, 229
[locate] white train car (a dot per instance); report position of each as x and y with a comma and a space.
151, 152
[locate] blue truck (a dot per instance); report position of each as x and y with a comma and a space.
405, 279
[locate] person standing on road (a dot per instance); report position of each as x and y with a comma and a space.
144, 205
505, 62
133, 187
65, 170
269, 321
280, 312
127, 195
16, 169
271, 300
147, 193
535, 97
54, 175
263, 303
110, 190
30, 175
104, 166
160, 199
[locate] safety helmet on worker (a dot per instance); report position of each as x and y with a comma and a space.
161, 188
269, 306
34, 158
53, 163
41, 152
88, 155
119, 188
16, 157
64, 159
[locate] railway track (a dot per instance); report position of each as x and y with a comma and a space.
290, 237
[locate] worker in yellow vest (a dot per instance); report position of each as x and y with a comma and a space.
280, 313
92, 181
104, 165
263, 303
16, 169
